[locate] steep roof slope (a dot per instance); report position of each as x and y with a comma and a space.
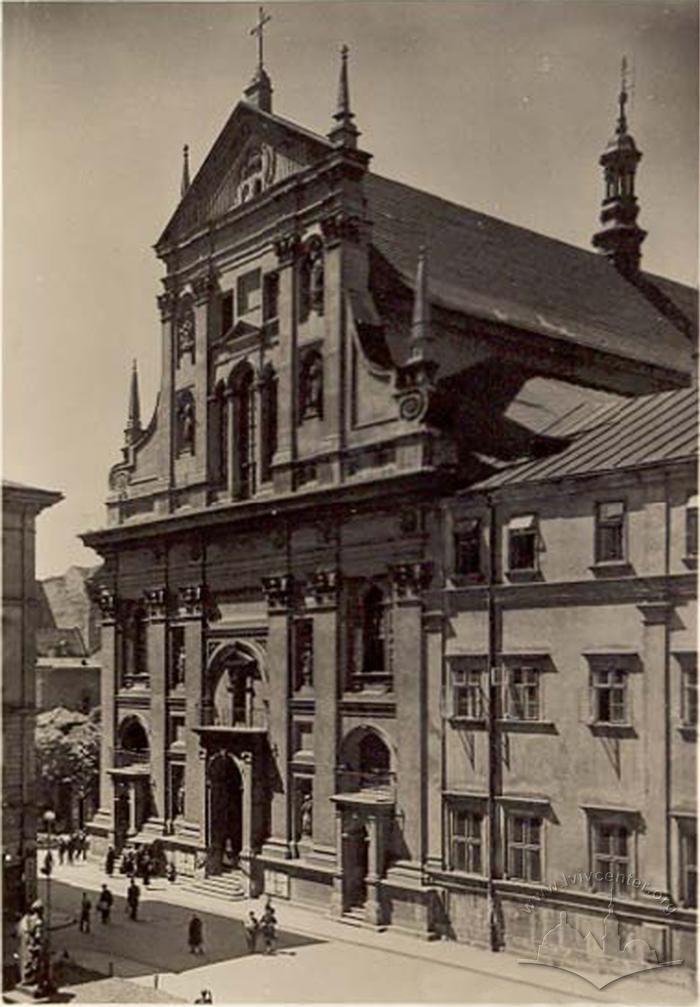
494, 270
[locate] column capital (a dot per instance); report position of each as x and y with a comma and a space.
279, 591
166, 305
193, 600
156, 602
109, 604
341, 226
324, 586
287, 247
411, 580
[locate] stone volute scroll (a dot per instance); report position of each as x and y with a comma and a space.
411, 580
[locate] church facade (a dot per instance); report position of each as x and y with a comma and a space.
304, 585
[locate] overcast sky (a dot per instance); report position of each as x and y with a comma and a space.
504, 107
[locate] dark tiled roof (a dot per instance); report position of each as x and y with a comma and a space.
494, 270
651, 429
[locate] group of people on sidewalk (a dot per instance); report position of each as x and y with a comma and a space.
266, 927
105, 901
72, 846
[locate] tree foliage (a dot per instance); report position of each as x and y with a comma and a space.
68, 749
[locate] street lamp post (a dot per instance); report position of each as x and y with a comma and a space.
46, 979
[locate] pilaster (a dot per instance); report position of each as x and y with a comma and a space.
279, 591
433, 627
287, 249
108, 604
192, 609
322, 605
409, 582
156, 604
656, 619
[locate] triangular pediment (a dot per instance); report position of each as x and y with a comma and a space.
254, 151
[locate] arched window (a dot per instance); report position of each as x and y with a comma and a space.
268, 422
374, 635
243, 385
311, 386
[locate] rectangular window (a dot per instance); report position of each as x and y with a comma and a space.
248, 292
611, 852
522, 543
465, 840
688, 865
609, 696
691, 527
303, 737
610, 532
524, 839
689, 696
468, 548
271, 286
226, 311
523, 693
467, 693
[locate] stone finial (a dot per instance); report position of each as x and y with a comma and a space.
185, 184
344, 133
133, 422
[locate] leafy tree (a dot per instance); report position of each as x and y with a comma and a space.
68, 752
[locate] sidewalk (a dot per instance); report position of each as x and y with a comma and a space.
544, 984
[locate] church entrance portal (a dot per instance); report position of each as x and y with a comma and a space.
224, 813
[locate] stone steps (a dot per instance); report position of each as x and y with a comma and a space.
227, 887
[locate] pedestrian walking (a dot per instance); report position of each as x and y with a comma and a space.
109, 861
195, 936
133, 895
269, 930
146, 870
171, 871
85, 910
61, 849
70, 848
251, 926
205, 997
83, 844
104, 903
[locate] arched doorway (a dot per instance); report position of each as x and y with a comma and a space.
355, 862
224, 813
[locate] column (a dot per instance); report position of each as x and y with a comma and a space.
156, 612
410, 580
166, 304
322, 604
655, 745
286, 248
279, 591
375, 864
192, 609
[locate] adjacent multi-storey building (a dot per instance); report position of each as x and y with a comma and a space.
20, 507
354, 651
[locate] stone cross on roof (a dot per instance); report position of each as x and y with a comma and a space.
258, 30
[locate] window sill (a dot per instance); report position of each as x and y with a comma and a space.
472, 723
524, 576
467, 579
688, 731
612, 568
136, 682
527, 726
603, 730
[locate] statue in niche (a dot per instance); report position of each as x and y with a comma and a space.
316, 282
307, 812
185, 333
180, 801
186, 423
312, 387
180, 664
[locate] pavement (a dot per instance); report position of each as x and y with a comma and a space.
318, 960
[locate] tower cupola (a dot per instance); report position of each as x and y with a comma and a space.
620, 238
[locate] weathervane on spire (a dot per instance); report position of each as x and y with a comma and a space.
258, 30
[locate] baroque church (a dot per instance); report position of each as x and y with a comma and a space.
304, 682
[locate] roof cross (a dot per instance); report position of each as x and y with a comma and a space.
258, 30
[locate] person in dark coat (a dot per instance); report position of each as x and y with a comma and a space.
133, 894
70, 848
61, 849
85, 910
269, 929
104, 903
109, 861
146, 869
205, 997
195, 936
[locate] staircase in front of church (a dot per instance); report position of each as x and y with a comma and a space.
229, 887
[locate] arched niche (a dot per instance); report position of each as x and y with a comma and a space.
237, 685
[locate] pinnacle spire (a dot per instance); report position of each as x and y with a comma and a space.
345, 132
420, 323
185, 184
620, 238
133, 422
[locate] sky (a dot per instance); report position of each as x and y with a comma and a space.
501, 106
